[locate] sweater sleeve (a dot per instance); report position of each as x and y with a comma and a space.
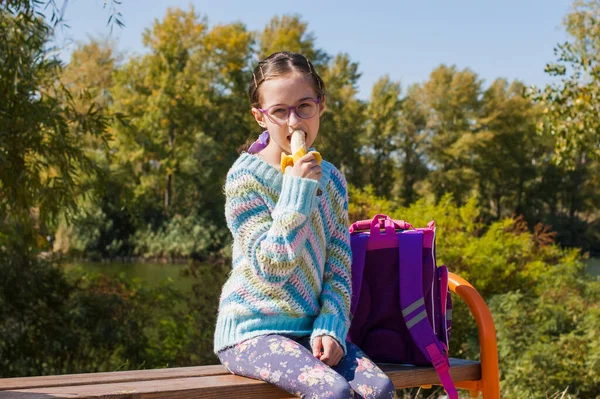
271, 242
334, 317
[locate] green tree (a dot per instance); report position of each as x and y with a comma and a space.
571, 107
570, 110
450, 102
413, 170
343, 123
40, 127
289, 33
506, 149
381, 134
154, 92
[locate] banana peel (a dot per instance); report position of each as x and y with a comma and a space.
289, 160
299, 150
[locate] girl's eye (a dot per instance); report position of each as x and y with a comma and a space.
304, 105
278, 111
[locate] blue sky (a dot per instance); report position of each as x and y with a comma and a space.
513, 39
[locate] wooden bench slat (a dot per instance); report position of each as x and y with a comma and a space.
107, 377
183, 388
411, 376
186, 383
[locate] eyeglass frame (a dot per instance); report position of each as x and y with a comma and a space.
290, 108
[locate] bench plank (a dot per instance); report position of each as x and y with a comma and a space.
108, 377
185, 383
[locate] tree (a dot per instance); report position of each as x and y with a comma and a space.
40, 128
343, 123
289, 33
506, 148
450, 102
413, 169
155, 91
570, 110
382, 130
571, 107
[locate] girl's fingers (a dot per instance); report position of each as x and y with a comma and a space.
317, 347
308, 157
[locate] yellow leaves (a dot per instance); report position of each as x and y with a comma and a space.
53, 172
287, 33
229, 44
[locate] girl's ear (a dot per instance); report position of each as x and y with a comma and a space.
259, 117
322, 106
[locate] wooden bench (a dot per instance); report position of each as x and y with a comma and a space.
217, 382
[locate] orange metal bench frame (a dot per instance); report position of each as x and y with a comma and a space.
489, 384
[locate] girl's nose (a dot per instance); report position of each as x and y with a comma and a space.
294, 119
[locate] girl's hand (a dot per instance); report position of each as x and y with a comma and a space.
327, 350
306, 167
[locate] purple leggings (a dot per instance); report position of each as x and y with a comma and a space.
288, 363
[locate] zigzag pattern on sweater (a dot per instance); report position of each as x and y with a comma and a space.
291, 255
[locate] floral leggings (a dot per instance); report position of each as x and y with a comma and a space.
288, 363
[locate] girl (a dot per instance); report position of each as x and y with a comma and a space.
284, 311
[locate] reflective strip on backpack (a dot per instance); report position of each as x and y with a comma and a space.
420, 316
409, 309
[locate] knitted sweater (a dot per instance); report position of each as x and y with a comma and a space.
291, 255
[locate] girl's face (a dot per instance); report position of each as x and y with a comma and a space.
287, 91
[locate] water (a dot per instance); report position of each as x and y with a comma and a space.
152, 274
593, 266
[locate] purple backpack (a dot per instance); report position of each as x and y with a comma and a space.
401, 308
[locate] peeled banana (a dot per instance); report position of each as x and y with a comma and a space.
298, 151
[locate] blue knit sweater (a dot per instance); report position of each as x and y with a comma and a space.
291, 255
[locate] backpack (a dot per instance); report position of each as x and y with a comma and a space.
401, 307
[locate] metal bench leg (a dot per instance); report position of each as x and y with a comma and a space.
490, 376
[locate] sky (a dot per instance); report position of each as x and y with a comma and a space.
512, 39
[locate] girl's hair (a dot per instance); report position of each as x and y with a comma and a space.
281, 64
276, 65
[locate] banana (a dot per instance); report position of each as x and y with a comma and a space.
298, 151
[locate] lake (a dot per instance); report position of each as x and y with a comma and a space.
593, 266
152, 274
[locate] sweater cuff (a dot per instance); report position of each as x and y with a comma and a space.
298, 194
330, 325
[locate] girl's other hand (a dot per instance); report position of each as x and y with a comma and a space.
327, 350
306, 167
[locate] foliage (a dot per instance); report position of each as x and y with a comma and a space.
344, 118
571, 107
40, 127
547, 337
381, 131
180, 238
56, 324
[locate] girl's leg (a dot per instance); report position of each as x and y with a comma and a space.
286, 364
363, 375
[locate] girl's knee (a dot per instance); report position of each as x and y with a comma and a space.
387, 389
382, 388
342, 389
